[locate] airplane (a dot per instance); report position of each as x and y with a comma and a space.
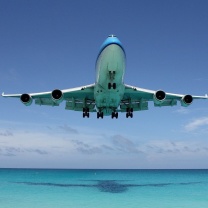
108, 95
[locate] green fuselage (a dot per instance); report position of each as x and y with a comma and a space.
110, 68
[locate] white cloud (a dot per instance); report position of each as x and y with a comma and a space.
54, 147
195, 124
182, 110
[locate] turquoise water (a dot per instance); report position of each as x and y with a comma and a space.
103, 188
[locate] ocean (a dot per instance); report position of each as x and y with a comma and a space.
40, 188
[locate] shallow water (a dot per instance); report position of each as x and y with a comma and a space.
103, 188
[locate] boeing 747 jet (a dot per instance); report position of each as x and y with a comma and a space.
108, 95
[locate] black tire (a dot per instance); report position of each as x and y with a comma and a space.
109, 86
114, 86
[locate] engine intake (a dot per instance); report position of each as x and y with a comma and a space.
57, 96
26, 99
186, 100
159, 97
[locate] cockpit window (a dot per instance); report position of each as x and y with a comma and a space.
112, 36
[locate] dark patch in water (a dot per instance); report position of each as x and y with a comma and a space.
110, 186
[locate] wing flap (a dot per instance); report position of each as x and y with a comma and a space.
167, 102
45, 101
136, 105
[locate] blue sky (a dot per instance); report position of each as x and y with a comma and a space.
53, 44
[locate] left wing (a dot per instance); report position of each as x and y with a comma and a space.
137, 98
76, 98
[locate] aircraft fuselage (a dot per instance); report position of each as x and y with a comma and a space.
110, 69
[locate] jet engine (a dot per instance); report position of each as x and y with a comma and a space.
57, 96
159, 97
26, 99
186, 100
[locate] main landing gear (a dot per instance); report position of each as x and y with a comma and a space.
129, 112
100, 115
114, 115
86, 112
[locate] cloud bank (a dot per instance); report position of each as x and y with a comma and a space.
197, 123
74, 148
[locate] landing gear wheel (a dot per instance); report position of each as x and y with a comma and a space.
129, 112
109, 86
86, 112
99, 115
114, 86
116, 115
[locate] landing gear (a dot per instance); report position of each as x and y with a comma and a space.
114, 115
111, 85
99, 115
86, 112
129, 112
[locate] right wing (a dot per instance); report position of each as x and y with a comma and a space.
76, 98
138, 98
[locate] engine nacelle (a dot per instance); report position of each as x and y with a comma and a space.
186, 100
57, 96
159, 97
26, 99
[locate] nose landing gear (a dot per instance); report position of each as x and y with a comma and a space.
111, 85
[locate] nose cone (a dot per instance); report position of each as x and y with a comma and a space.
112, 39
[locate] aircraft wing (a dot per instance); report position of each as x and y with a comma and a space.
137, 98
76, 98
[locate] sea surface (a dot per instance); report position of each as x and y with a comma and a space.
37, 188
